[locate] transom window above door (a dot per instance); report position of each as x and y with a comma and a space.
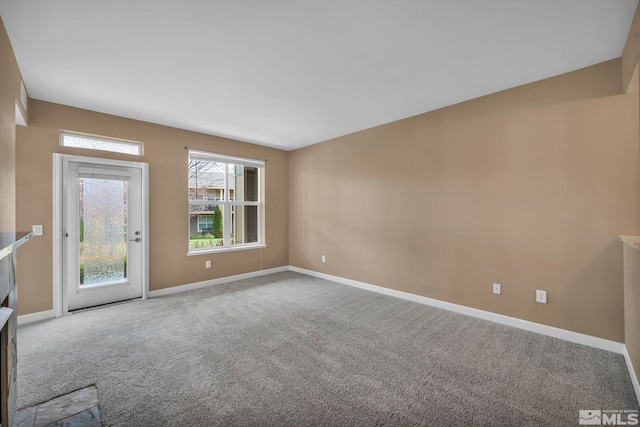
225, 202
91, 142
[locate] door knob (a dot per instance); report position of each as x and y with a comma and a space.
137, 239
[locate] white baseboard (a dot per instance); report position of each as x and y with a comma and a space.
213, 282
35, 317
632, 373
551, 331
49, 314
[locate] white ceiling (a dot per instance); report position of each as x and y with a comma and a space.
290, 73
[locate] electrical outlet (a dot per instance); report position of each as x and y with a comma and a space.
541, 296
324, 259
497, 288
207, 263
37, 230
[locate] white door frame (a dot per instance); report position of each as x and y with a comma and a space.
60, 306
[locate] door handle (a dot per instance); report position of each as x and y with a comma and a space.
137, 239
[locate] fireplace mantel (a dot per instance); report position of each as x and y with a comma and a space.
11, 240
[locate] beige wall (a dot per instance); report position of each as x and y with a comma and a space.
529, 188
631, 54
9, 91
631, 82
168, 220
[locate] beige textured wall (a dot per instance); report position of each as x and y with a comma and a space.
9, 90
631, 82
168, 203
528, 187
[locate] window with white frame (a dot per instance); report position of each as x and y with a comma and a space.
225, 202
89, 142
205, 223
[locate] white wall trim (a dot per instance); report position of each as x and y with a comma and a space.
578, 338
213, 282
35, 317
145, 230
632, 373
58, 185
551, 331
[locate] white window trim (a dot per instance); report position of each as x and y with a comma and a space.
227, 203
195, 252
223, 158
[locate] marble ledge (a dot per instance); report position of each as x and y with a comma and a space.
10, 241
633, 241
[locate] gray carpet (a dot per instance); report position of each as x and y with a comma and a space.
289, 349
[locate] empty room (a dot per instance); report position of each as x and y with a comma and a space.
305, 213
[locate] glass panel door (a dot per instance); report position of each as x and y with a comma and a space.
102, 213
103, 243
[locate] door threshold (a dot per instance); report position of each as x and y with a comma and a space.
109, 304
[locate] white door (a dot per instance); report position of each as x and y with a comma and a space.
102, 233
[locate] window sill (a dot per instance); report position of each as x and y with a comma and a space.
231, 249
